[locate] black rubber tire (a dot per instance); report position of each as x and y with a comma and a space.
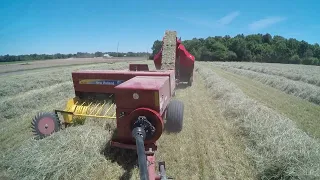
190, 80
174, 116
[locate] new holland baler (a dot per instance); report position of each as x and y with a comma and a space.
140, 101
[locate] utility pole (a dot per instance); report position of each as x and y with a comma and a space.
147, 53
118, 49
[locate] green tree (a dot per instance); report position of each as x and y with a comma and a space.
309, 61
98, 54
156, 48
303, 46
295, 59
232, 56
267, 38
219, 51
282, 52
238, 45
316, 51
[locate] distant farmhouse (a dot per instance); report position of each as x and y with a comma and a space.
107, 56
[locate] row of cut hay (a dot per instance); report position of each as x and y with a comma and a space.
74, 153
279, 149
305, 73
36, 79
299, 89
17, 113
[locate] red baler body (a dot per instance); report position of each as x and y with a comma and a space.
145, 92
104, 81
137, 93
154, 88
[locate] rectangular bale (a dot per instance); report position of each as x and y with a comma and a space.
169, 50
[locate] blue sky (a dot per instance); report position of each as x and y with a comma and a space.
88, 26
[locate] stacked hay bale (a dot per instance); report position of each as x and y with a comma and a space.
169, 50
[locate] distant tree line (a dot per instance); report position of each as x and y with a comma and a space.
27, 57
255, 47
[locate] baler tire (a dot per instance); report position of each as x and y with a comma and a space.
174, 116
190, 80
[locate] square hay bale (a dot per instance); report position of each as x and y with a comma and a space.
169, 50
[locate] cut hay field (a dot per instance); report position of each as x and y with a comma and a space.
299, 80
6, 68
230, 131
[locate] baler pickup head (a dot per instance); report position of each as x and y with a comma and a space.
77, 108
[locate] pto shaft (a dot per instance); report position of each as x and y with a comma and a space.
139, 134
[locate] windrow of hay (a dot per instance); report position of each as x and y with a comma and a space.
299, 89
74, 153
17, 112
13, 85
305, 73
279, 148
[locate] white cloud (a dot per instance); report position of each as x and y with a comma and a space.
264, 23
228, 18
204, 22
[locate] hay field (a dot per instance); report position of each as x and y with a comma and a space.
29, 65
305, 73
227, 134
280, 149
306, 87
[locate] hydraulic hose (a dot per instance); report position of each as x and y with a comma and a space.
139, 134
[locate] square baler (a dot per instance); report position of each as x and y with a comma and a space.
141, 100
